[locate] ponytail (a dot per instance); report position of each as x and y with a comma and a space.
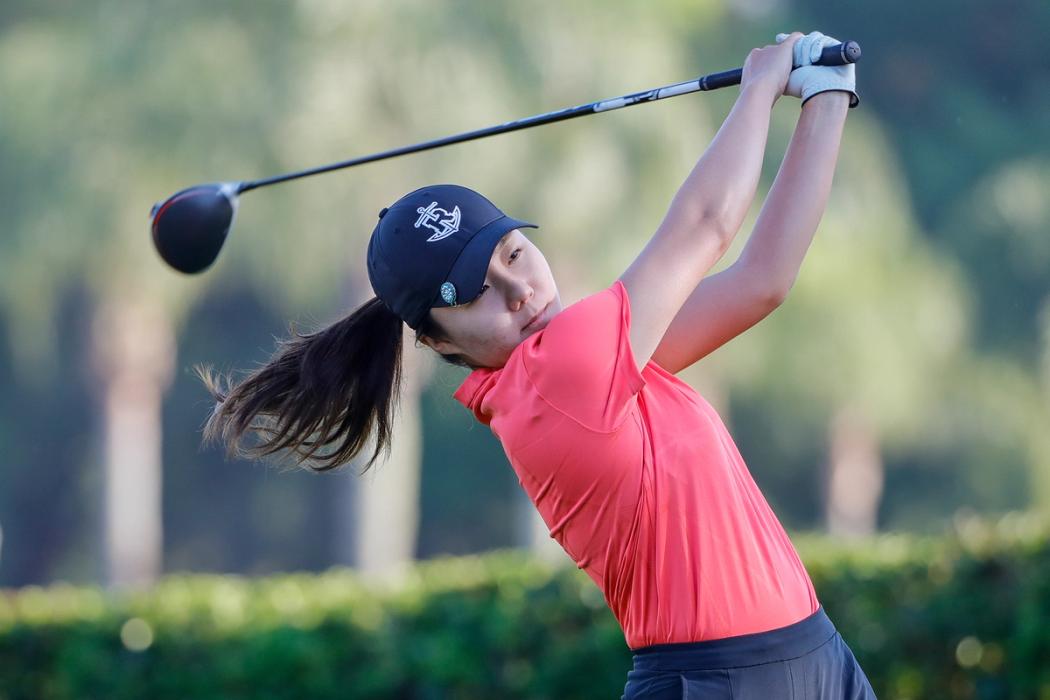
337, 385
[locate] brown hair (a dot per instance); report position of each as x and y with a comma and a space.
337, 386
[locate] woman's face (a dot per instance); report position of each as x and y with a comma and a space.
518, 299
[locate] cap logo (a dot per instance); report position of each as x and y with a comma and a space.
442, 221
448, 293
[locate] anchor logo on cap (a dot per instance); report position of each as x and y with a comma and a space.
448, 221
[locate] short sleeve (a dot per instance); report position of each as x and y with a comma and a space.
582, 364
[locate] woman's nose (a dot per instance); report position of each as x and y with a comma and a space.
519, 292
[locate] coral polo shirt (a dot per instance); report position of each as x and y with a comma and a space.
638, 480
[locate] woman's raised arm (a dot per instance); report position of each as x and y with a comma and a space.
709, 207
799, 195
726, 304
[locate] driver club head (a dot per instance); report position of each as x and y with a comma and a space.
190, 226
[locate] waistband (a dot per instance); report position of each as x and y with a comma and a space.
779, 644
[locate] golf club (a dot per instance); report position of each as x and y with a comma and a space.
190, 227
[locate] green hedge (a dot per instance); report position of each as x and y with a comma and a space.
963, 616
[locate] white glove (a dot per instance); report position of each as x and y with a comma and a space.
806, 79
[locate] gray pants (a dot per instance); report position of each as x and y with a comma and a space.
808, 660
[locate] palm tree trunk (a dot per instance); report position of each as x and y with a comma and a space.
389, 503
378, 513
1039, 440
134, 354
854, 475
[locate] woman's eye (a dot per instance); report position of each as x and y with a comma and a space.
483, 288
515, 254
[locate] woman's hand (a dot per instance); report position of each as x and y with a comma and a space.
807, 80
767, 69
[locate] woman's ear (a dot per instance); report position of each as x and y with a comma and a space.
442, 347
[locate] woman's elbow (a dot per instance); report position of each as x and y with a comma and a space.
775, 294
761, 286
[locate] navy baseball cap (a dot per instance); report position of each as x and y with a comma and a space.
432, 248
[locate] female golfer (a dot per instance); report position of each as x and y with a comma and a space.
633, 472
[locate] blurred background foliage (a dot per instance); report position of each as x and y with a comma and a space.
911, 361
959, 616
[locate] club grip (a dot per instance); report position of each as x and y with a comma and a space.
839, 54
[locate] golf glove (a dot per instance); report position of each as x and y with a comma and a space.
806, 79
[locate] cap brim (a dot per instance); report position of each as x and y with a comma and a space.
470, 269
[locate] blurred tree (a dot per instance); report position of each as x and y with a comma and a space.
109, 58
134, 352
977, 167
868, 337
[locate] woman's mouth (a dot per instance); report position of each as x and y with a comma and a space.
536, 320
